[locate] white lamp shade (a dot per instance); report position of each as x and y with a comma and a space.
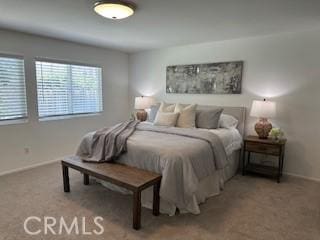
143, 102
263, 109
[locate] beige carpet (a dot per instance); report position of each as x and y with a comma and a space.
248, 208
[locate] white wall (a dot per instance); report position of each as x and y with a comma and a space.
50, 140
284, 68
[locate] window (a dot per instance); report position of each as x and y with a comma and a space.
66, 89
13, 104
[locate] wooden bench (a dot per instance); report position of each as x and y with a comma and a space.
130, 178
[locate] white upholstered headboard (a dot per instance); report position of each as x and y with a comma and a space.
238, 112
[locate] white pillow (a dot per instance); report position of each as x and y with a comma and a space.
227, 121
166, 107
187, 115
166, 119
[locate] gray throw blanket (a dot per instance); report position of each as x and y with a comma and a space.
108, 143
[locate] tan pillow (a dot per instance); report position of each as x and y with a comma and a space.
166, 107
166, 119
187, 115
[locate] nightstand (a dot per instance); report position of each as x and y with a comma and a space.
253, 144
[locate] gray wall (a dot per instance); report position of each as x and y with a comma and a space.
284, 68
50, 140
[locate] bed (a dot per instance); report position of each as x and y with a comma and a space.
181, 188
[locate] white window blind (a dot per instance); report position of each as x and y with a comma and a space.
67, 89
13, 104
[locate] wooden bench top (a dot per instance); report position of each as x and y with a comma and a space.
122, 175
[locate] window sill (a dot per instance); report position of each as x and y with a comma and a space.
13, 122
54, 118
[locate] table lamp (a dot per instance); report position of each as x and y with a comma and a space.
263, 110
140, 104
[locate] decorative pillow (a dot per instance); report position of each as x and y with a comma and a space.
167, 107
187, 115
166, 119
152, 113
208, 119
228, 121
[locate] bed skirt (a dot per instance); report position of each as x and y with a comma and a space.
208, 187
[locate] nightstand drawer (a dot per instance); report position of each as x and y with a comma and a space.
254, 144
263, 148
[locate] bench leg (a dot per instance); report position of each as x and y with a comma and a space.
136, 210
85, 179
65, 173
156, 199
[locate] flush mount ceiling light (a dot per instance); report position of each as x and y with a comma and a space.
114, 9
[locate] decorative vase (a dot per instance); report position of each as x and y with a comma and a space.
263, 128
142, 115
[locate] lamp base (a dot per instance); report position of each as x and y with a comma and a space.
142, 115
263, 128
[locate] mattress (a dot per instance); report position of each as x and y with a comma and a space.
230, 138
207, 187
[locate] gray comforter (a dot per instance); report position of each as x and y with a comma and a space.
183, 156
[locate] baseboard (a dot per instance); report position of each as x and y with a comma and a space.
29, 167
59, 159
303, 177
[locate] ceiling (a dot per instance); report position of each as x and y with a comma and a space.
159, 23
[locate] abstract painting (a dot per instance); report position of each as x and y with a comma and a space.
210, 78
